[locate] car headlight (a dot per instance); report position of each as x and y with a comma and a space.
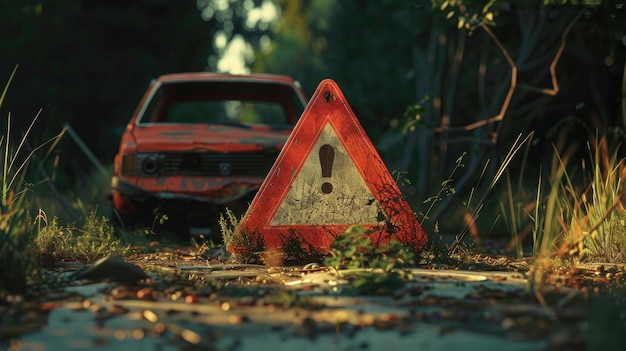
150, 164
128, 164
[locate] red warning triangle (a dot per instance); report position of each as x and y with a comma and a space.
327, 177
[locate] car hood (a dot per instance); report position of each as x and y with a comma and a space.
218, 138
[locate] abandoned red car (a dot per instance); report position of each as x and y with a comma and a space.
199, 143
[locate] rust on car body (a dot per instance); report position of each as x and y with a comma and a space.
200, 141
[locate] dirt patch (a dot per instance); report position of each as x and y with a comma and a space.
191, 302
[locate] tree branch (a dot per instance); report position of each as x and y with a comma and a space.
507, 100
556, 59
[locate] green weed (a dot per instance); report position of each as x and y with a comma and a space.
474, 205
350, 249
606, 238
446, 189
574, 224
25, 243
96, 239
370, 270
354, 250
248, 247
393, 255
228, 227
594, 224
583, 223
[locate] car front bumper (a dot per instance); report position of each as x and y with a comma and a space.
132, 201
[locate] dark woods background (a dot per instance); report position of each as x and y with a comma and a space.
415, 72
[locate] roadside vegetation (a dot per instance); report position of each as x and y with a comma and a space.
94, 238
556, 216
30, 241
575, 217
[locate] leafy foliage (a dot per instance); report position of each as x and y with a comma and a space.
370, 270
350, 249
447, 60
353, 250
467, 14
423, 60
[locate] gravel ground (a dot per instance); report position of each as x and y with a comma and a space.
192, 303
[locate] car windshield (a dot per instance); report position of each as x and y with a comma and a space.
223, 102
226, 112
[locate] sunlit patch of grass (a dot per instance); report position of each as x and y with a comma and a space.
597, 230
95, 239
25, 243
574, 224
248, 247
605, 240
584, 223
228, 227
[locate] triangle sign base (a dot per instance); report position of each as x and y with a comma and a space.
327, 177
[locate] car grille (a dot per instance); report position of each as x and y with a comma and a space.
218, 164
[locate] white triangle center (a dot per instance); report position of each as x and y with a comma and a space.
309, 201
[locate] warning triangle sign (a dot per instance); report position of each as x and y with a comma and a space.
327, 177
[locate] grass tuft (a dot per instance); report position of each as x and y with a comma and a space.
248, 247
605, 238
228, 227
26, 243
54, 243
583, 223
576, 224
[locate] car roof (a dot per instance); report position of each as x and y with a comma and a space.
204, 76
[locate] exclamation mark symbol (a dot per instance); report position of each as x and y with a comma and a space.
327, 157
